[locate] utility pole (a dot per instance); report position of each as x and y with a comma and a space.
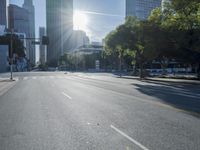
76, 61
11, 53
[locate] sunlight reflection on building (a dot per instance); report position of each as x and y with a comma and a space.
59, 15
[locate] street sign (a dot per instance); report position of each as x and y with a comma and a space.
36, 42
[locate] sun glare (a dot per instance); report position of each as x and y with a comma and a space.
80, 21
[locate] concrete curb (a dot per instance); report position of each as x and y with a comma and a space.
175, 81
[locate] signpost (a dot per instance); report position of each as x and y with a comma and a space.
11, 55
36, 42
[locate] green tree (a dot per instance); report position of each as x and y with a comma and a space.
18, 47
184, 16
129, 39
114, 44
172, 33
176, 31
160, 40
137, 43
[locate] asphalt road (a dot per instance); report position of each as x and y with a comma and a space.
79, 111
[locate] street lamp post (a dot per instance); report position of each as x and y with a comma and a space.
11, 53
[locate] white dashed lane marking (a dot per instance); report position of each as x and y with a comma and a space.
66, 95
129, 138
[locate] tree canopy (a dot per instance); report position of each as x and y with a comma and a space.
18, 47
170, 33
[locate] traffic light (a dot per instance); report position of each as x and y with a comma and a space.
45, 40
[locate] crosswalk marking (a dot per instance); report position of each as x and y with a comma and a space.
51, 77
44, 77
66, 95
25, 78
60, 77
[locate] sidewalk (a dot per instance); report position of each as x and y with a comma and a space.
6, 84
147, 79
156, 79
184, 81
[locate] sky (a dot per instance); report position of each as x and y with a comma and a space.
103, 15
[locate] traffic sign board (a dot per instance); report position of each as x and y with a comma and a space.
36, 42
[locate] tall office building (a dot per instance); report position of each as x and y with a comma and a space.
3, 12
141, 8
59, 28
28, 5
80, 38
2, 30
18, 20
43, 52
3, 58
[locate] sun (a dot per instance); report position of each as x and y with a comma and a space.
80, 21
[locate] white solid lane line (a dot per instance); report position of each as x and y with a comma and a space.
66, 95
129, 138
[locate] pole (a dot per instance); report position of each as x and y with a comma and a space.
11, 53
76, 61
120, 64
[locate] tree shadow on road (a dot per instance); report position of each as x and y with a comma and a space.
185, 98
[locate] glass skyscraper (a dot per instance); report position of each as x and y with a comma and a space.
18, 19
42, 32
3, 12
28, 5
59, 15
141, 8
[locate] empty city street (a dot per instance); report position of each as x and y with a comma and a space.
97, 111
